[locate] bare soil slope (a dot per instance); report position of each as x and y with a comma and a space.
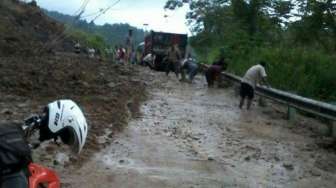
26, 31
31, 77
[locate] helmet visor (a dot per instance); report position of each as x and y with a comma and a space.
70, 138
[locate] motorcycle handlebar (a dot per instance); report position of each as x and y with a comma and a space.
31, 124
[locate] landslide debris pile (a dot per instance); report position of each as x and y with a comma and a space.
25, 30
106, 92
32, 78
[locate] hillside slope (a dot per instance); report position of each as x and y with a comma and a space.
25, 30
113, 34
31, 77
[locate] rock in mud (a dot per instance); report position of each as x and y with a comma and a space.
288, 166
101, 140
85, 84
121, 161
50, 149
113, 85
248, 158
195, 137
22, 105
210, 158
6, 112
276, 158
315, 172
61, 159
56, 163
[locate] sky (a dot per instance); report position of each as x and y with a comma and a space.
135, 12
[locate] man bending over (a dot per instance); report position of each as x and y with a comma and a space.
252, 77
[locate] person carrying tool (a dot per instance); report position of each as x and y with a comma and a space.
252, 77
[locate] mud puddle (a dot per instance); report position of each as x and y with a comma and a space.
191, 136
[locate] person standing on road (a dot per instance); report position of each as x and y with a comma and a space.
116, 54
212, 74
121, 56
190, 67
129, 46
252, 77
173, 57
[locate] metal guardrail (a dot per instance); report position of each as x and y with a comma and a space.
315, 107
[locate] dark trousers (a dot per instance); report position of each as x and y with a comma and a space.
246, 91
210, 78
173, 66
150, 65
15, 180
191, 71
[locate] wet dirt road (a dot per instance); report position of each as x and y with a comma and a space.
191, 136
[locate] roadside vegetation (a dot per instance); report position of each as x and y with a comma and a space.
103, 38
88, 39
113, 34
296, 38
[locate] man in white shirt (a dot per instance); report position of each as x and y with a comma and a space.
252, 77
149, 60
91, 52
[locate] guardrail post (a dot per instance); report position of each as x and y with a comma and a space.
291, 113
291, 99
332, 128
262, 102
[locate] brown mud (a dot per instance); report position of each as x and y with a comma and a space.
104, 91
192, 136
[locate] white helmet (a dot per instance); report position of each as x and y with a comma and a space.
66, 120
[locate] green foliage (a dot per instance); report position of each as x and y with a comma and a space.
308, 72
96, 36
113, 34
300, 53
88, 40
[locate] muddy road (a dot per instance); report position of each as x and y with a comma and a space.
191, 136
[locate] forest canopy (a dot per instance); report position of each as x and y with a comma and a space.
296, 37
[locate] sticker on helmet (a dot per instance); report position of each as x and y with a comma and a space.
57, 116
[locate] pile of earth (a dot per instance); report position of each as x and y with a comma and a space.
26, 31
31, 77
109, 94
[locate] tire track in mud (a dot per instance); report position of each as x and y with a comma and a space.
191, 136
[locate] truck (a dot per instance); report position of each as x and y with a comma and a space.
159, 43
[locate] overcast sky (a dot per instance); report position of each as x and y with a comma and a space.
135, 12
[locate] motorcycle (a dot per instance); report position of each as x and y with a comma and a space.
60, 119
39, 176
42, 177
